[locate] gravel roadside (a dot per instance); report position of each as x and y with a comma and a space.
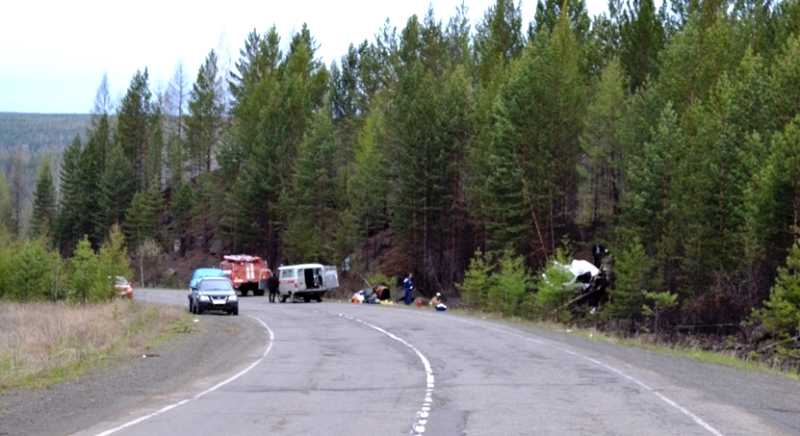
220, 345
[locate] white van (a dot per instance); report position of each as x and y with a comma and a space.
307, 281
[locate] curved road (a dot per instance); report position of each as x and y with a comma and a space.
343, 369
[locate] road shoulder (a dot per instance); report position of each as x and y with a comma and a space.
219, 347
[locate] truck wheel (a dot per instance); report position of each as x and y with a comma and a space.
307, 298
244, 292
283, 298
319, 298
236, 311
258, 292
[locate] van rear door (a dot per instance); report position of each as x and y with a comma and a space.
331, 277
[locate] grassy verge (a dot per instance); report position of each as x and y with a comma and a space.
45, 343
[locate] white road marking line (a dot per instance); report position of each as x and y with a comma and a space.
418, 428
672, 403
212, 389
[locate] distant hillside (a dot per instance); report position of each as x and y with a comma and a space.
34, 134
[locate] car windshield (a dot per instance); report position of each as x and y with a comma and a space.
215, 285
121, 281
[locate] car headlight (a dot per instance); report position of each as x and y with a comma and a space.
204, 297
233, 298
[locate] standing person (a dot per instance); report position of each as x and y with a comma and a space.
272, 284
408, 285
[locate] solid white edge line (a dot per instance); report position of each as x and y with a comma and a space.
212, 389
699, 421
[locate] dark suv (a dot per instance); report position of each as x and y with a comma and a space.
214, 293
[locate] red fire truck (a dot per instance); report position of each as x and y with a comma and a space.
246, 272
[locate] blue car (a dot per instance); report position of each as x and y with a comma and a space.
199, 273
214, 293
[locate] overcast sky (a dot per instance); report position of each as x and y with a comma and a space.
54, 53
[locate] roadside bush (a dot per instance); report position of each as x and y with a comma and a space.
7, 249
780, 315
86, 279
635, 273
512, 284
113, 258
33, 272
477, 282
551, 290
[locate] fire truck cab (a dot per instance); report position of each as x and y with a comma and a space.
245, 272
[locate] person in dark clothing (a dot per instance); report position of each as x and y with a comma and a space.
408, 285
272, 284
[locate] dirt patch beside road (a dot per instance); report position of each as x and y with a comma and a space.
220, 345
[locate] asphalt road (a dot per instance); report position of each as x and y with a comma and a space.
344, 369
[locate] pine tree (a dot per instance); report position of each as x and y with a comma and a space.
182, 205
369, 186
498, 39
310, 207
777, 208
153, 161
102, 103
117, 186
549, 12
786, 77
133, 124
90, 218
44, 202
142, 217
33, 271
8, 247
634, 273
85, 278
650, 207
600, 142
204, 119
69, 209
512, 283
478, 280
535, 141
113, 260
174, 109
16, 190
781, 312
642, 39
5, 204
284, 103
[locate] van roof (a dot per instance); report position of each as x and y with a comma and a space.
301, 265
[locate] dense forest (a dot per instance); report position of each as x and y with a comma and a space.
486, 151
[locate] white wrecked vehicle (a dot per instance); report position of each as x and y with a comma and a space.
588, 281
582, 272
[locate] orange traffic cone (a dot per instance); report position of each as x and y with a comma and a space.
419, 303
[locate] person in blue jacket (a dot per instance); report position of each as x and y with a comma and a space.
408, 285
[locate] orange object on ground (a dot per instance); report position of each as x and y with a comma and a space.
419, 303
